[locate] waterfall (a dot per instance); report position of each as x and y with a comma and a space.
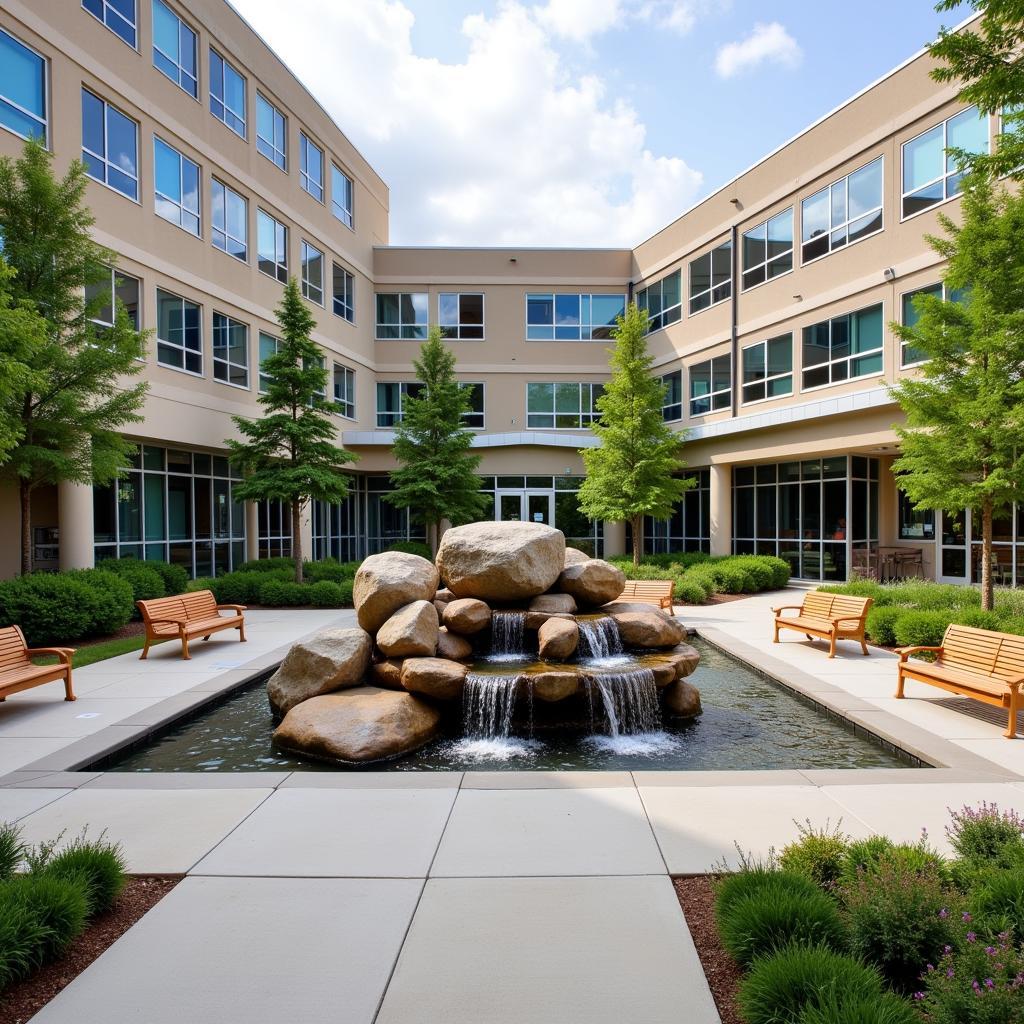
630, 701
599, 637
508, 635
487, 703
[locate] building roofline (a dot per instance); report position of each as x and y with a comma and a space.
510, 248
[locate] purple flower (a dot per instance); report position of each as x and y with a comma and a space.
971, 936
990, 950
943, 914
975, 985
989, 983
965, 916
919, 995
949, 973
947, 949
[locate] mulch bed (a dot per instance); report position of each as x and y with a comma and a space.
697, 898
26, 998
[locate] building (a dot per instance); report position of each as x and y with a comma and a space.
217, 175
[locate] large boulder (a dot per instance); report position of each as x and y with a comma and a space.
466, 616
358, 726
329, 660
664, 673
387, 674
592, 582
410, 632
648, 628
682, 699
389, 581
685, 658
452, 646
554, 685
501, 561
574, 555
434, 677
557, 639
563, 603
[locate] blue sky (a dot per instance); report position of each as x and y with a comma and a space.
577, 121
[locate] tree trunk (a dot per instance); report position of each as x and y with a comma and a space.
297, 539
25, 494
987, 597
637, 524
433, 536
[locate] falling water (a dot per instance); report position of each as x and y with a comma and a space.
630, 701
508, 636
599, 637
487, 703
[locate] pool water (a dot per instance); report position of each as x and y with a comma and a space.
748, 723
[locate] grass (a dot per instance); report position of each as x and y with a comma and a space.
99, 652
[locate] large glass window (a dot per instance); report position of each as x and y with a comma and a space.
274, 524
909, 355
345, 391
842, 213
336, 528
768, 369
227, 93
175, 50
689, 526
343, 286
930, 173
572, 317
385, 524
768, 249
271, 246
342, 196
230, 351
672, 404
230, 220
177, 187
268, 347
461, 315
711, 278
562, 405
102, 297
22, 89
474, 416
914, 524
312, 273
711, 385
119, 16
110, 145
391, 397
662, 301
311, 167
843, 348
179, 339
271, 132
401, 315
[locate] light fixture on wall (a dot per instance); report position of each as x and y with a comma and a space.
735, 202
798, 298
889, 273
513, 259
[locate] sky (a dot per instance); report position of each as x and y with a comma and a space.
577, 122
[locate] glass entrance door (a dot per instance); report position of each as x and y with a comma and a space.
509, 506
953, 560
526, 506
539, 507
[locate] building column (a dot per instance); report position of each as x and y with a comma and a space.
75, 525
306, 529
721, 509
252, 531
614, 538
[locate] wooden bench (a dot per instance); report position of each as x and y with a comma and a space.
978, 663
17, 671
830, 617
657, 592
187, 616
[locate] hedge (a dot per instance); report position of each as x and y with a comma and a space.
699, 576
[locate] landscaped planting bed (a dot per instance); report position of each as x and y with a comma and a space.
699, 577
841, 931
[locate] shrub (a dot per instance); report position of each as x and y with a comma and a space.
863, 855
59, 905
22, 935
146, 582
237, 587
1009, 601
413, 547
175, 577
736, 885
779, 987
979, 619
113, 600
1013, 624
758, 571
268, 565
689, 591
324, 594
817, 855
928, 596
97, 865
51, 608
880, 624
202, 583
921, 628
279, 594
705, 577
861, 1009
996, 900
12, 849
643, 571
731, 578
986, 836
859, 588
329, 569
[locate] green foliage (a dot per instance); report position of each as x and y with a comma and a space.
838, 1008
330, 569
863, 855
819, 854
921, 629
98, 866
145, 582
734, 886
23, 937
12, 849
632, 473
174, 576
979, 619
417, 547
22, 331
58, 903
697, 576
880, 624
288, 453
436, 477
283, 594
268, 565
690, 591
73, 409
112, 599
779, 988
985, 836
324, 594
996, 900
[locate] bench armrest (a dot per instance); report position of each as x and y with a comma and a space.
167, 620
64, 653
846, 618
788, 607
232, 607
905, 652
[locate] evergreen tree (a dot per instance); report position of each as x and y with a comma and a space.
963, 443
631, 474
436, 478
71, 410
288, 454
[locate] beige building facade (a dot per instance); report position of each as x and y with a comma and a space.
217, 176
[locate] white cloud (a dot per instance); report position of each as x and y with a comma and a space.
766, 44
508, 146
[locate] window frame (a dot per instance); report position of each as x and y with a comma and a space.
766, 264
183, 348
45, 81
804, 367
403, 392
182, 24
226, 361
585, 325
400, 324
667, 403
944, 293
105, 7
663, 316
712, 288
834, 227
272, 144
115, 276
350, 290
346, 408
226, 66
766, 377
454, 332
467, 417
712, 394
308, 286
280, 268
215, 230
347, 216
586, 418
260, 335
107, 164
179, 205
306, 180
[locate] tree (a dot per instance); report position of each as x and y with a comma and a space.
71, 410
436, 478
22, 332
631, 474
963, 442
288, 454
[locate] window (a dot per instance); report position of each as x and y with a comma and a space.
271, 132
474, 417
768, 249
711, 385
175, 52
401, 315
909, 355
768, 369
177, 187
230, 220
391, 397
930, 173
311, 167
345, 391
711, 278
22, 89
461, 316
271, 246
572, 317
268, 347
178, 333
562, 406
344, 294
110, 146
843, 348
914, 524
672, 403
230, 351
342, 196
312, 273
662, 301
227, 94
101, 298
117, 15
842, 213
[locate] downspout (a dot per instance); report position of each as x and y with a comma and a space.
734, 292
